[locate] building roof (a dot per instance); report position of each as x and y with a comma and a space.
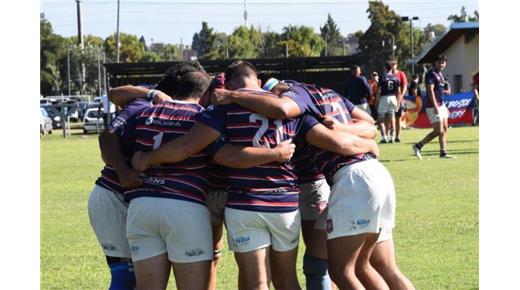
444, 41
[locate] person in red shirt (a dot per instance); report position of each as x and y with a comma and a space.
403, 81
474, 86
374, 88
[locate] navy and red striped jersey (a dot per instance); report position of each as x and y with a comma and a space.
304, 167
272, 187
185, 180
109, 178
318, 102
389, 84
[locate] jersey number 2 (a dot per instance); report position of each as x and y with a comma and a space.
263, 128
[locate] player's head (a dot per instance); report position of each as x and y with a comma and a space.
375, 76
388, 67
440, 62
415, 77
275, 86
192, 85
169, 83
393, 64
216, 83
240, 73
355, 70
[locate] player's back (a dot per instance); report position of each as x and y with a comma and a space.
389, 85
185, 180
270, 187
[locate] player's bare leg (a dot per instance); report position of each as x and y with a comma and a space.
383, 260
218, 245
443, 140
343, 253
252, 270
152, 273
391, 122
382, 127
283, 269
437, 131
368, 276
192, 276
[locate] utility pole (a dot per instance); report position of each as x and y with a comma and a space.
98, 50
406, 18
81, 46
68, 68
104, 74
245, 13
117, 33
286, 50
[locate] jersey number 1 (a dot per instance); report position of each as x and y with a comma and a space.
263, 128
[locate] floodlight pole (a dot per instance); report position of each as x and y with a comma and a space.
117, 33
406, 18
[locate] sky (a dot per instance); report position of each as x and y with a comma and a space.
173, 21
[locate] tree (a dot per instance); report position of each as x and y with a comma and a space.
272, 45
463, 17
204, 42
245, 43
51, 51
302, 41
334, 41
131, 49
384, 23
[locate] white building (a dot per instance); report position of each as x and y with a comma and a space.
460, 45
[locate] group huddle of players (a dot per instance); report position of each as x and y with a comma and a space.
267, 159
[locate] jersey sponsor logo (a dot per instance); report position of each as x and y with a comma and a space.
330, 226
358, 224
194, 252
165, 123
149, 121
155, 181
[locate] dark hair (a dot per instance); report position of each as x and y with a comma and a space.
237, 71
441, 57
388, 66
415, 76
354, 67
193, 84
169, 83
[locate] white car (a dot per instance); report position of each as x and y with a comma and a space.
93, 121
45, 122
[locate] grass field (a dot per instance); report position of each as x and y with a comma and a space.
436, 232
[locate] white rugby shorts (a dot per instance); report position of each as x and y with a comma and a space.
249, 231
387, 105
107, 214
362, 200
443, 114
165, 225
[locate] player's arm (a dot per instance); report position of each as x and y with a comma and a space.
178, 149
123, 95
110, 145
361, 115
399, 96
340, 142
247, 157
431, 96
274, 108
361, 128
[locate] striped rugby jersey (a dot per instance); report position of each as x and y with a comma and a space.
185, 180
318, 102
304, 167
267, 188
109, 178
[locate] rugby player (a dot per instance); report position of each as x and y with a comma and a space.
436, 109
345, 249
163, 210
403, 84
386, 103
261, 212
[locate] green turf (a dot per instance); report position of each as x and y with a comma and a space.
436, 232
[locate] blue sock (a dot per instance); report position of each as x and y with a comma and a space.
315, 270
123, 277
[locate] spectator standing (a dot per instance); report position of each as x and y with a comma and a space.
403, 83
474, 86
357, 90
414, 89
374, 88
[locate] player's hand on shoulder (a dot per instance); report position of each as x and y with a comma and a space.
374, 148
140, 161
221, 97
161, 97
285, 150
330, 122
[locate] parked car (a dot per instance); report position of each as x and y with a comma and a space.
93, 121
54, 114
45, 122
